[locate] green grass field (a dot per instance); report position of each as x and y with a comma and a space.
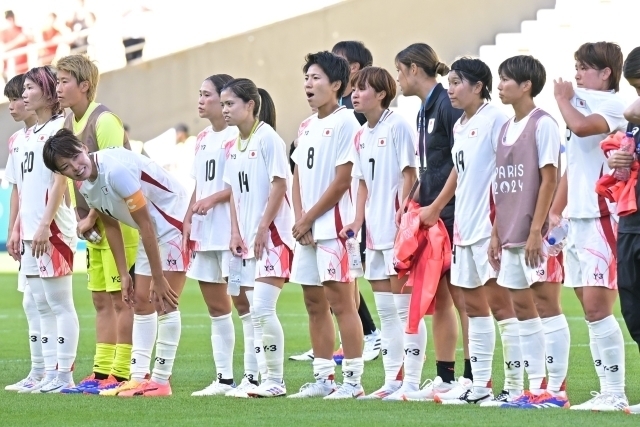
194, 370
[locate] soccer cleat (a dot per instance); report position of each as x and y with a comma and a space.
459, 388
37, 386
25, 384
338, 355
399, 393
148, 388
372, 343
382, 393
306, 356
611, 402
320, 388
503, 397
55, 386
524, 398
633, 410
242, 390
269, 388
89, 382
545, 401
346, 391
214, 389
428, 391
589, 404
468, 397
124, 386
107, 384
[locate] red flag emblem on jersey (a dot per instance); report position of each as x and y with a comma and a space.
253, 154
473, 133
382, 142
327, 132
42, 138
581, 103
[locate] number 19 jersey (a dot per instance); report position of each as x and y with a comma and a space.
212, 150
383, 153
323, 145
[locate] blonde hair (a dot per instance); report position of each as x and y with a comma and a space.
83, 70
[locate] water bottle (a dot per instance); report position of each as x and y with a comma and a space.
235, 274
557, 237
353, 252
628, 145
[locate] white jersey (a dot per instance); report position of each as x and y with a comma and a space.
127, 181
474, 157
211, 153
13, 170
323, 145
383, 153
586, 162
36, 184
250, 173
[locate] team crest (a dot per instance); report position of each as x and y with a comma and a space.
431, 124
473, 133
253, 154
382, 142
42, 138
581, 103
327, 132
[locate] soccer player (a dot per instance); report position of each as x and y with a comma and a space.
386, 170
629, 227
322, 205
127, 187
591, 112
527, 154
13, 175
258, 173
418, 65
98, 128
49, 239
204, 228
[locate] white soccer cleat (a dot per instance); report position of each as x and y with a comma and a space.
214, 389
459, 388
428, 390
37, 386
346, 391
306, 356
469, 397
634, 410
589, 404
320, 388
382, 393
372, 343
25, 384
611, 402
55, 386
242, 390
400, 392
269, 388
497, 401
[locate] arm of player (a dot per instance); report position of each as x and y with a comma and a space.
533, 248
632, 113
577, 123
495, 247
13, 242
559, 202
307, 239
429, 215
409, 177
186, 223
329, 199
40, 243
116, 244
361, 201
236, 245
202, 206
276, 198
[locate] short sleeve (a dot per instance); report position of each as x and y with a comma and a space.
612, 110
346, 152
404, 139
109, 131
123, 181
274, 151
548, 142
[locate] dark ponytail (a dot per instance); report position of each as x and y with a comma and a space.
263, 107
267, 108
424, 57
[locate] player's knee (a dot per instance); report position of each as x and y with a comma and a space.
102, 302
242, 305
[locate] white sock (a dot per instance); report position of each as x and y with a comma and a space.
557, 340
257, 338
59, 293
512, 355
414, 344
223, 341
250, 362
391, 336
611, 346
482, 342
597, 360
532, 345
35, 344
352, 370
48, 328
265, 298
169, 330
145, 330
324, 369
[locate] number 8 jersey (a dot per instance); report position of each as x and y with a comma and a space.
250, 172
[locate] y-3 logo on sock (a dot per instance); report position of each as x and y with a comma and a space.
160, 360
60, 340
412, 351
33, 338
347, 374
612, 368
512, 365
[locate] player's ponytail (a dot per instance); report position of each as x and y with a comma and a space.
263, 106
424, 57
267, 108
631, 67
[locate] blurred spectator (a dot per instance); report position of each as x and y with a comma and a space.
12, 37
136, 146
134, 31
81, 20
51, 37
